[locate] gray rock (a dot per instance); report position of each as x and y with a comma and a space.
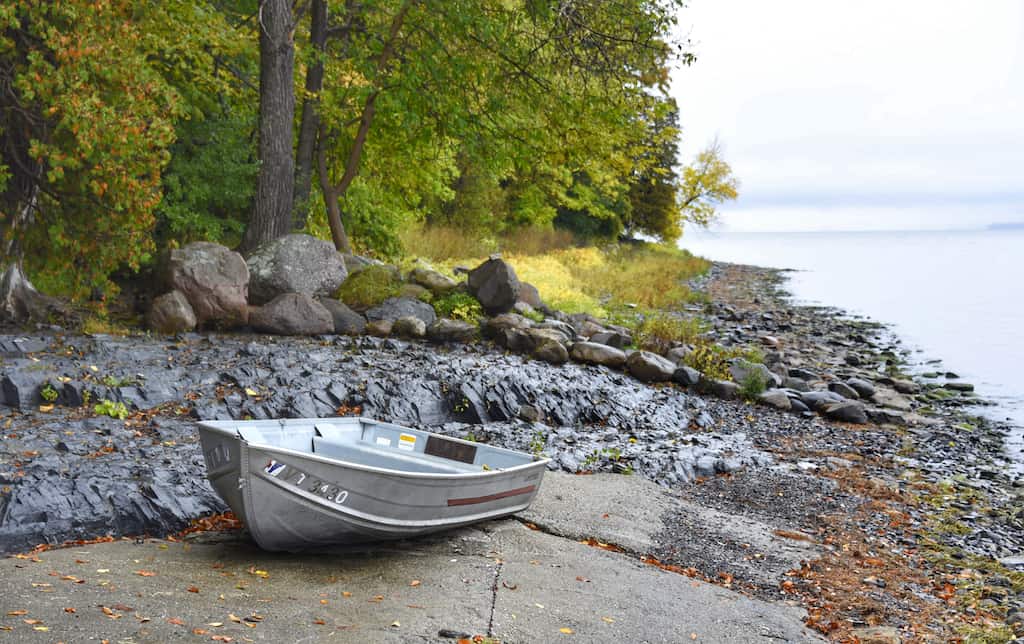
214, 280
885, 416
798, 406
804, 374
590, 328
346, 320
818, 400
356, 263
650, 367
409, 327
613, 339
529, 294
171, 313
524, 309
551, 351
891, 399
295, 263
551, 323
850, 411
741, 370
958, 386
515, 340
379, 328
906, 386
21, 387
686, 376
400, 307
678, 354
844, 390
445, 330
493, 326
796, 384
725, 390
594, 353
292, 314
775, 398
495, 285
432, 280
863, 388
414, 291
540, 336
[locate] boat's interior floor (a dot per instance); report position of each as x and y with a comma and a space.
384, 446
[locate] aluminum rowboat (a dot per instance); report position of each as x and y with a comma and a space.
307, 483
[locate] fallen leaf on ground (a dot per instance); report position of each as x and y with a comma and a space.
567, 631
215, 624
41, 628
414, 583
15, 613
32, 622
192, 589
176, 621
608, 620
140, 573
345, 593
69, 610
395, 624
578, 578
319, 622
199, 631
377, 598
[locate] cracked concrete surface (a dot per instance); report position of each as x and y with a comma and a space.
522, 585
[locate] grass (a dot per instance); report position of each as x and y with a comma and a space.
369, 287
458, 306
656, 332
571, 278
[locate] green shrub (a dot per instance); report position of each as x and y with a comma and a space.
751, 353
370, 286
657, 332
109, 408
48, 393
458, 306
710, 359
753, 385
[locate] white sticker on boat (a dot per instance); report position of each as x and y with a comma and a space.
407, 442
384, 442
274, 468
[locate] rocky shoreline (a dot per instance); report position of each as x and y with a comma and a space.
766, 495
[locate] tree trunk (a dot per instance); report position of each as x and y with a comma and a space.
310, 124
271, 217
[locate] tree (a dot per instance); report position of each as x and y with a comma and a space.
653, 193
272, 211
706, 183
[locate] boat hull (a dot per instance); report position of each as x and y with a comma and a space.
292, 501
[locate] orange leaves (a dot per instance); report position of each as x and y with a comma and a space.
192, 589
145, 573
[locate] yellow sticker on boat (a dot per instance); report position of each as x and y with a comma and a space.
407, 442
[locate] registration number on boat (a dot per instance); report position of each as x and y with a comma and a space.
293, 475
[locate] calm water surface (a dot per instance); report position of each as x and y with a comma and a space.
954, 295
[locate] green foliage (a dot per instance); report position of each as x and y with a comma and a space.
459, 306
753, 385
706, 183
710, 359
48, 393
109, 408
658, 331
369, 287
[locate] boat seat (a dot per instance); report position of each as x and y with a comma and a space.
388, 458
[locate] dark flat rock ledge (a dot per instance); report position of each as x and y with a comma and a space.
67, 473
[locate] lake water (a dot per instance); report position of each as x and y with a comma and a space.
954, 295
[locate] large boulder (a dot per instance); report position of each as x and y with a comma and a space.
686, 376
818, 400
409, 327
594, 353
445, 330
292, 314
650, 367
849, 411
741, 370
171, 313
214, 280
863, 388
295, 264
495, 285
844, 390
552, 352
494, 326
528, 294
775, 398
346, 320
401, 307
613, 339
540, 336
432, 280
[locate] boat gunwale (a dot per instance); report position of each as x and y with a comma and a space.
460, 476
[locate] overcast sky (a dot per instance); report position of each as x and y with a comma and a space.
860, 115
